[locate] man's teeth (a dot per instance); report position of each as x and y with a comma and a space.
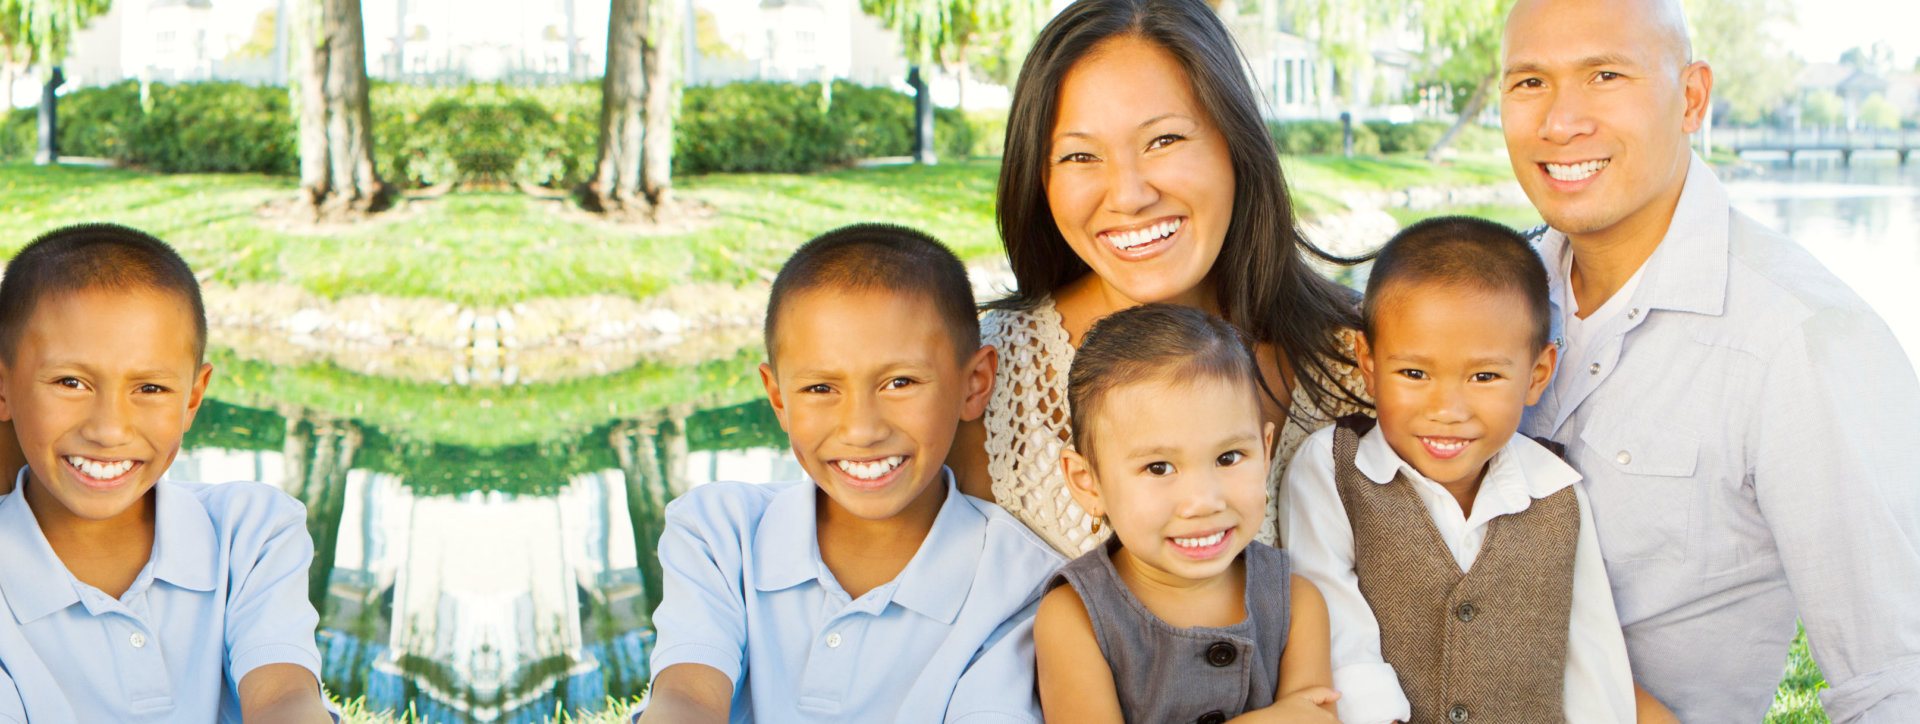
1200, 542
1130, 239
870, 470
1446, 445
1574, 171
100, 470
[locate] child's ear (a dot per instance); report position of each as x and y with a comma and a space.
772, 386
1081, 482
6, 408
1266, 442
1542, 372
979, 372
199, 392
1363, 354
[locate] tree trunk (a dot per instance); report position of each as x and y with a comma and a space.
1475, 104
636, 446
319, 453
616, 170
656, 58
337, 175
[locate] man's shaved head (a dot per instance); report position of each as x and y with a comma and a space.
1664, 21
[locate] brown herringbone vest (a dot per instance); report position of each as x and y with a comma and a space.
1489, 645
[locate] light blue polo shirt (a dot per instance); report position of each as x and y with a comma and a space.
949, 639
224, 593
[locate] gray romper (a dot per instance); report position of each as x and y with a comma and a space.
1201, 674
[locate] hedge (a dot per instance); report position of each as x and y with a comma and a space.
487, 133
1316, 137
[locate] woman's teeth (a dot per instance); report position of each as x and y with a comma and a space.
870, 470
1126, 240
100, 470
1201, 542
1574, 171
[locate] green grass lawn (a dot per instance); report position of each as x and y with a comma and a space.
485, 249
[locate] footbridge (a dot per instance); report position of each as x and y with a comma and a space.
1897, 142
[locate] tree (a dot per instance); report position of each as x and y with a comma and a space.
1471, 30
36, 32
948, 32
1753, 73
634, 166
1342, 30
1876, 59
337, 175
1822, 109
1877, 112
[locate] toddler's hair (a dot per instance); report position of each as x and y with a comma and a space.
1153, 341
93, 256
1465, 252
880, 256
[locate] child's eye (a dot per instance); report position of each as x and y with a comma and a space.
153, 389
1159, 468
72, 383
819, 389
1229, 458
1485, 376
897, 383
1414, 374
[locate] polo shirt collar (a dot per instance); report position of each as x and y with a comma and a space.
32, 574
786, 553
1688, 271
1521, 472
185, 549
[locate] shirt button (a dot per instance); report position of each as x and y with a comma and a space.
1623, 458
833, 640
1633, 313
1595, 369
1466, 612
1457, 714
1222, 653
139, 640
1213, 717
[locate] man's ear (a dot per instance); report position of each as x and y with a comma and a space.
1081, 482
1363, 354
1542, 372
980, 370
199, 393
1696, 80
772, 385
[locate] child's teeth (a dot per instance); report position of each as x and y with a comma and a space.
100, 470
870, 470
1200, 542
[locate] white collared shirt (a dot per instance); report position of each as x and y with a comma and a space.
1747, 434
1598, 684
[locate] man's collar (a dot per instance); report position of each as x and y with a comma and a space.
1520, 472
934, 583
1687, 272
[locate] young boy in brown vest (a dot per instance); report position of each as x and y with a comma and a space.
1462, 576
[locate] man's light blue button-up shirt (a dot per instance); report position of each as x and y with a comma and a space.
1747, 431
949, 639
224, 593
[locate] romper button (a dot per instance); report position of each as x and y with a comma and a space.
1212, 717
139, 640
833, 640
1466, 612
1221, 653
1594, 370
1623, 458
1457, 714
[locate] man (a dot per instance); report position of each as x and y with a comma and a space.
1747, 427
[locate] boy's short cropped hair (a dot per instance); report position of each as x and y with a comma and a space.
93, 256
1152, 342
1465, 252
881, 256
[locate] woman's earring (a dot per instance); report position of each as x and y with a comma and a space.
1096, 526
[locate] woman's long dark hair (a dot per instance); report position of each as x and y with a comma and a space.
1264, 284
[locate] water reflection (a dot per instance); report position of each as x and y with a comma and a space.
486, 553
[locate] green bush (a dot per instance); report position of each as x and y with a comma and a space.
488, 133
1320, 137
1415, 137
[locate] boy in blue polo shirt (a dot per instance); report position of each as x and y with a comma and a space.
877, 591
125, 598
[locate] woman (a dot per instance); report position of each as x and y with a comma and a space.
1138, 170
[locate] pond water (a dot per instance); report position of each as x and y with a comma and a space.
485, 553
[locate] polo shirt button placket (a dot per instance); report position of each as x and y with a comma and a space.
1213, 717
1458, 714
1222, 654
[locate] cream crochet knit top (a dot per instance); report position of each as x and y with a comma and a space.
1027, 428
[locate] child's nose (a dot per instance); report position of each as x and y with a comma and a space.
1447, 403
1206, 494
110, 422
861, 422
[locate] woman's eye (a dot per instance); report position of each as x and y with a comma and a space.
1075, 157
1159, 468
1165, 141
1229, 458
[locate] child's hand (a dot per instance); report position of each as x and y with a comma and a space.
1311, 705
